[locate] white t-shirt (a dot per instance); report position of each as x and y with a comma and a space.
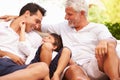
30, 45
83, 42
9, 41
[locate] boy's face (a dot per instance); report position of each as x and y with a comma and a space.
49, 39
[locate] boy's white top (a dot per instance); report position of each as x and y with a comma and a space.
9, 41
83, 42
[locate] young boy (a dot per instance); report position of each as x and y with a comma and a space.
54, 40
36, 40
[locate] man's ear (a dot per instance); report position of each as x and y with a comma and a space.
27, 13
82, 12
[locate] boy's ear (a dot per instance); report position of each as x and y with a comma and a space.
54, 47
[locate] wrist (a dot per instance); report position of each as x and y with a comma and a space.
2, 53
57, 73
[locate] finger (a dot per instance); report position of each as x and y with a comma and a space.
3, 17
97, 54
20, 62
105, 49
103, 52
104, 46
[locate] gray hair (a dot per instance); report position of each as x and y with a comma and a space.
78, 5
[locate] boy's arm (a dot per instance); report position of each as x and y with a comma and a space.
22, 31
62, 63
23, 45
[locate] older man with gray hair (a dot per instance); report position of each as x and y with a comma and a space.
92, 45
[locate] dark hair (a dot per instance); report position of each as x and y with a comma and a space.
33, 8
58, 41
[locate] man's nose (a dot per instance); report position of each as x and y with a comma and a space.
37, 26
66, 17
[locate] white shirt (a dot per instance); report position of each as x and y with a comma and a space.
30, 45
9, 41
83, 42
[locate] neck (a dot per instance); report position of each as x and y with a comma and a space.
15, 25
81, 25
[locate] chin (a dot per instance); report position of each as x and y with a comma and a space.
28, 31
71, 25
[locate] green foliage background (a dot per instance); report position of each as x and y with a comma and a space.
110, 15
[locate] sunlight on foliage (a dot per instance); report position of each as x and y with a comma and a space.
113, 10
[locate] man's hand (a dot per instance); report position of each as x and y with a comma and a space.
22, 25
13, 57
100, 52
8, 17
101, 48
17, 59
22, 31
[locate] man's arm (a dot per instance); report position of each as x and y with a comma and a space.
8, 17
102, 47
102, 50
13, 57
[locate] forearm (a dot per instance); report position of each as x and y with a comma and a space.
25, 47
111, 41
8, 17
103, 46
63, 61
3, 53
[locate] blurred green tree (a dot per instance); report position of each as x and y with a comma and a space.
113, 10
110, 16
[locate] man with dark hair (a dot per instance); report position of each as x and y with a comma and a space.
32, 21
11, 58
33, 8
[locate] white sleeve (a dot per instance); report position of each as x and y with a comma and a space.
51, 28
102, 32
25, 47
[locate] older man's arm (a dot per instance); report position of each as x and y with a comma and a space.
8, 17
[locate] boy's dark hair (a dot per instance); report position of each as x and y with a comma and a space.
33, 8
58, 41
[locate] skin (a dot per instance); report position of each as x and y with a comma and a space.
33, 70
105, 50
47, 49
78, 20
31, 23
30, 73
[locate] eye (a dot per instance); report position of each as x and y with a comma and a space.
38, 21
70, 14
49, 37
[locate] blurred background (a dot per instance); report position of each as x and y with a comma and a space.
100, 11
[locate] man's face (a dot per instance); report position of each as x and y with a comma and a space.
33, 22
72, 16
